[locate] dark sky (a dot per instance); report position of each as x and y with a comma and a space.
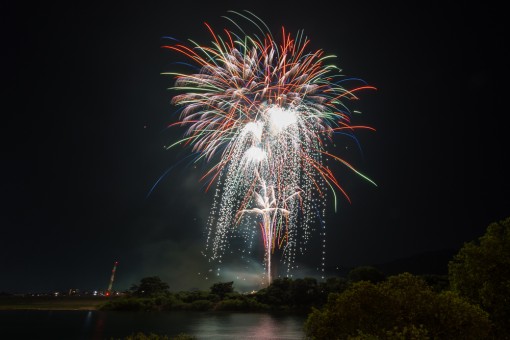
85, 112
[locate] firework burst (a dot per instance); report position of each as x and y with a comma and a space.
261, 112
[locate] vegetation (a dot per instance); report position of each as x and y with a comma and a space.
366, 273
284, 294
403, 306
150, 287
50, 302
153, 295
471, 302
222, 288
480, 272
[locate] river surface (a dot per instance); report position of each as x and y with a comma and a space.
98, 325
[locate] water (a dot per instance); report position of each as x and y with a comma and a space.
97, 325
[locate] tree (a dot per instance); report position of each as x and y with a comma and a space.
402, 307
304, 292
278, 293
222, 288
332, 285
481, 273
150, 287
365, 273
438, 282
360, 307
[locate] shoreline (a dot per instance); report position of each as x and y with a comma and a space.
50, 303
11, 308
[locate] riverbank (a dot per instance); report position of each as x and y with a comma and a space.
51, 302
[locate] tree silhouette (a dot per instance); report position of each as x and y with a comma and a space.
150, 287
222, 288
481, 273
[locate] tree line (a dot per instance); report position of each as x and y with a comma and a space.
471, 302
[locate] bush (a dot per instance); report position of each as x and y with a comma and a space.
403, 307
202, 305
123, 304
242, 304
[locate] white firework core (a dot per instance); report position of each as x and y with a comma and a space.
279, 119
254, 155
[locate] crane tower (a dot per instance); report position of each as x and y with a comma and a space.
109, 291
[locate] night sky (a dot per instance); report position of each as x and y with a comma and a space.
84, 119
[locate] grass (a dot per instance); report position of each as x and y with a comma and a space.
51, 302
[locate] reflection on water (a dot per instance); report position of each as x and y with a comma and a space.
96, 325
88, 322
249, 326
